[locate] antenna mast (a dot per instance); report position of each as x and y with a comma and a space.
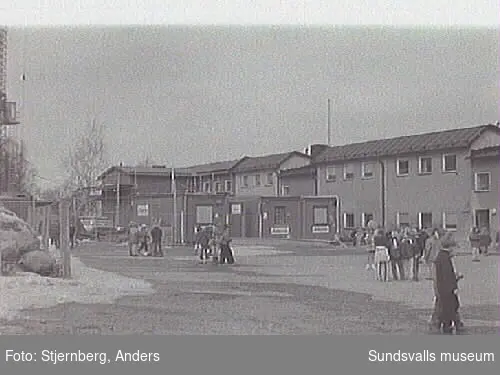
329, 127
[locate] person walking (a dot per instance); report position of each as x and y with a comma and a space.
143, 240
484, 241
133, 239
156, 238
226, 253
396, 255
446, 289
197, 236
204, 243
432, 247
475, 243
381, 257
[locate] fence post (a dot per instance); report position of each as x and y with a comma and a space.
64, 237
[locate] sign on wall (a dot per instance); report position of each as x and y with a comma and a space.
204, 214
236, 209
280, 230
142, 210
321, 229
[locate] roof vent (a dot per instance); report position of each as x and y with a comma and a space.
159, 166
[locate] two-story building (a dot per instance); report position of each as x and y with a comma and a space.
213, 177
424, 180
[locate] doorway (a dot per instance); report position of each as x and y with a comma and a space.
482, 219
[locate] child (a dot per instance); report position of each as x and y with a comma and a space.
381, 257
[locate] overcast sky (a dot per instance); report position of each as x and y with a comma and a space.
193, 95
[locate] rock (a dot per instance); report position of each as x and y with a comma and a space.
16, 236
40, 262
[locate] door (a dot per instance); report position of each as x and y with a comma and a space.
482, 219
236, 219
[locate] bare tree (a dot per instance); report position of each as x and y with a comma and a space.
86, 159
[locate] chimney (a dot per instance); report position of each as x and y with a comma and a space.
316, 149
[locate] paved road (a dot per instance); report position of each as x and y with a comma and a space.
267, 292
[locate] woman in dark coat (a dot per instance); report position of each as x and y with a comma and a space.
446, 287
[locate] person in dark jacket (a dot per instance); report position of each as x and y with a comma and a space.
197, 236
398, 271
484, 241
156, 237
204, 243
446, 288
226, 253
72, 231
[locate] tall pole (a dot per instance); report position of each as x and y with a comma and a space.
118, 199
64, 236
174, 195
329, 127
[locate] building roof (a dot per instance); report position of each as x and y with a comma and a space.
447, 139
265, 162
487, 152
220, 166
148, 171
306, 170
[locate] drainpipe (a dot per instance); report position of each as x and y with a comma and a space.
337, 213
382, 191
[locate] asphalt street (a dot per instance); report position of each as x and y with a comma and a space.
274, 288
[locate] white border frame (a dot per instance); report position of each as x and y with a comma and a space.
398, 172
476, 181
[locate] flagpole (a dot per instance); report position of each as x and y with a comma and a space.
174, 194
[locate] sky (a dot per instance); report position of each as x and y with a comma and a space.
192, 94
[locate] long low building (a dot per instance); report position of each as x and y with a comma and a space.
446, 179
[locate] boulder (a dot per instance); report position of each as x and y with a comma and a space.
16, 236
40, 262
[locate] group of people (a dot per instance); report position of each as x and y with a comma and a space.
145, 242
211, 242
397, 249
480, 241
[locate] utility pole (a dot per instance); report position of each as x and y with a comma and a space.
64, 236
117, 220
329, 125
174, 216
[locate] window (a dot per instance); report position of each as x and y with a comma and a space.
425, 220
204, 215
403, 167
285, 190
425, 165
402, 219
279, 215
348, 220
331, 175
449, 163
206, 187
228, 184
270, 179
257, 180
218, 187
367, 169
450, 221
245, 181
320, 215
365, 219
482, 181
348, 172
